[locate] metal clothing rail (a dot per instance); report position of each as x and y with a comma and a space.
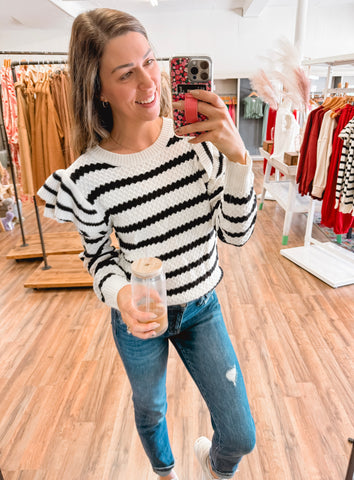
39, 224
14, 64
31, 53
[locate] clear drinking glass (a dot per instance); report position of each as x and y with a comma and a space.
149, 290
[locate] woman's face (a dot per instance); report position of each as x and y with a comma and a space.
130, 79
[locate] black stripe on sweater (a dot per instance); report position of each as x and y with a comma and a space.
236, 200
221, 164
153, 195
244, 218
93, 167
106, 277
116, 184
173, 140
169, 234
70, 210
188, 286
239, 234
187, 247
158, 217
190, 266
69, 192
207, 151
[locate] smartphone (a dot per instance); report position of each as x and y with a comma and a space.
186, 74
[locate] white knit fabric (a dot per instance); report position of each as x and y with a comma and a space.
169, 201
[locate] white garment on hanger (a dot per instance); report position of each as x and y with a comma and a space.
286, 131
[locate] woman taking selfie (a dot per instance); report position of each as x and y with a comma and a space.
170, 196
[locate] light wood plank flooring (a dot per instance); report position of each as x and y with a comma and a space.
65, 408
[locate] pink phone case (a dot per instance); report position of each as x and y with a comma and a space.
180, 84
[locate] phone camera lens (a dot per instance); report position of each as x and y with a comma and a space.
204, 76
204, 65
194, 70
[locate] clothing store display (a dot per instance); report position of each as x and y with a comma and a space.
308, 151
25, 138
324, 151
60, 90
38, 122
272, 114
320, 155
286, 131
253, 107
9, 109
345, 178
97, 187
265, 122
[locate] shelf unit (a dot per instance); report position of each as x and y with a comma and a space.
328, 262
284, 192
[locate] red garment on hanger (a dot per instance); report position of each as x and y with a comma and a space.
232, 109
272, 115
308, 151
331, 217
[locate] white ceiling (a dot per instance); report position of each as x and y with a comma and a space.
44, 14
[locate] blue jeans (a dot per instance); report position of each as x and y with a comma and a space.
198, 333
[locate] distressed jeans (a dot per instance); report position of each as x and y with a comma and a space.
198, 333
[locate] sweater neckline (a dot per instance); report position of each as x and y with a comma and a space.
145, 154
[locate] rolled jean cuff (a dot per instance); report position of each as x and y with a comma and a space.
164, 472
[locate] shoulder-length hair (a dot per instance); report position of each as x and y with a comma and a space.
90, 33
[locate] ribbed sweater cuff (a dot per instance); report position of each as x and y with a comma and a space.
317, 191
239, 177
111, 288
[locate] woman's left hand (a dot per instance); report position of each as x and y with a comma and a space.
218, 128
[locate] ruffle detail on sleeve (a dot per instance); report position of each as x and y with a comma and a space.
65, 203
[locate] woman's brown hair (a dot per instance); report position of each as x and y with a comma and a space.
91, 31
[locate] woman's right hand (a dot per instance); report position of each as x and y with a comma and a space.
135, 320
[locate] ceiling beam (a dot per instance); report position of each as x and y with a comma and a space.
253, 8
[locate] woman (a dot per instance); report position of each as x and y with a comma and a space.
163, 196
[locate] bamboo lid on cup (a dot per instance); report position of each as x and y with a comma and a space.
147, 267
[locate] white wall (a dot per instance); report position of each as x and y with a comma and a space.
235, 43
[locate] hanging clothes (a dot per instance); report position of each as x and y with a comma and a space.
44, 124
253, 107
324, 151
60, 90
345, 178
9, 108
265, 122
308, 151
24, 138
272, 115
286, 131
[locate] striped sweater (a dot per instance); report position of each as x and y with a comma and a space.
171, 201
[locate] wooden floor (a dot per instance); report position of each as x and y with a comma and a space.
65, 408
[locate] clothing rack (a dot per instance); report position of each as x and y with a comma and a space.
330, 263
71, 243
66, 268
14, 64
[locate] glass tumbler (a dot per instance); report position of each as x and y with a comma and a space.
149, 290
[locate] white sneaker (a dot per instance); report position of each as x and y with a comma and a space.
201, 449
175, 475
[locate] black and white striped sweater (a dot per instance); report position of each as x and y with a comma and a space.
169, 201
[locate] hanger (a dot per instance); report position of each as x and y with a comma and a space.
253, 94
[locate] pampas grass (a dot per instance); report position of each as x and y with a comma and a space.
285, 78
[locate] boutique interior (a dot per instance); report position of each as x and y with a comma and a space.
286, 76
